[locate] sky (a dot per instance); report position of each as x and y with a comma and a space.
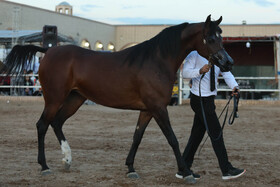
119, 12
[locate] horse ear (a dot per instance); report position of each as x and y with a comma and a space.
207, 24
208, 20
219, 20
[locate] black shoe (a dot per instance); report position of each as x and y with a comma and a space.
233, 173
179, 175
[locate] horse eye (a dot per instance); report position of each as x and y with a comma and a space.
211, 40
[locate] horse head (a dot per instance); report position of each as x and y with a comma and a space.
212, 45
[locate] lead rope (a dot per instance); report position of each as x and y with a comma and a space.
203, 112
233, 115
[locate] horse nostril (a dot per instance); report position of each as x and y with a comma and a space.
229, 65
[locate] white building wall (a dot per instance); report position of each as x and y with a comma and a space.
30, 18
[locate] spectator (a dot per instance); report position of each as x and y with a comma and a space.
37, 91
5, 81
36, 65
28, 81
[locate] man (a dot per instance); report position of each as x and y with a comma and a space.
195, 66
36, 65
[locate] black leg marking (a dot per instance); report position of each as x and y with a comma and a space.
162, 118
143, 121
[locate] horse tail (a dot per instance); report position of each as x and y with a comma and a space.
19, 58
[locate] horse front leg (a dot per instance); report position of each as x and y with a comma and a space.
161, 116
143, 121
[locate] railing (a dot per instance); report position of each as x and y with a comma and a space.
243, 88
14, 86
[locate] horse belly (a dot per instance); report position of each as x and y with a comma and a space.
116, 95
116, 100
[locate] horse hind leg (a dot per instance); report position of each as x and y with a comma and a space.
143, 121
42, 127
72, 103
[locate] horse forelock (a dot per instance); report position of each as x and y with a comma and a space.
167, 42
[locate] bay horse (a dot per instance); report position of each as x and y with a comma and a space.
137, 78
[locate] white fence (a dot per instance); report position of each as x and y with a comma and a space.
243, 88
15, 86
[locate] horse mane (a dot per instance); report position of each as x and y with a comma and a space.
167, 41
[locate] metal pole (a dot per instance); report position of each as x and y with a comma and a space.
16, 12
180, 86
277, 61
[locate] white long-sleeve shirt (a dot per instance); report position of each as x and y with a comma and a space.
191, 68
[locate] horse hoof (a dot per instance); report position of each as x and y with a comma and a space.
190, 179
66, 165
46, 172
133, 175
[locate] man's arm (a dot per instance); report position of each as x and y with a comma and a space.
231, 82
190, 70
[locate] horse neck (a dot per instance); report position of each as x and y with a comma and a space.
189, 38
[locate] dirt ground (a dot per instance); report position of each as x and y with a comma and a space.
100, 139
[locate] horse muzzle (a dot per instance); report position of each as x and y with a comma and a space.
222, 60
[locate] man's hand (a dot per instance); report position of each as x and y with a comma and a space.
204, 69
235, 91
